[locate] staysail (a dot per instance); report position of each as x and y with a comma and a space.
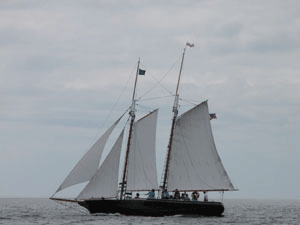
89, 163
105, 182
142, 174
194, 160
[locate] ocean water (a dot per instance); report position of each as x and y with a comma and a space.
18, 211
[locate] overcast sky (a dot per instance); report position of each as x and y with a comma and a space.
67, 71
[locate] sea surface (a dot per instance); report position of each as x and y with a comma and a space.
15, 211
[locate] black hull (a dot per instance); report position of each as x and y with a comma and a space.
156, 207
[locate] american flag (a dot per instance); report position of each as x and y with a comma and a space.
212, 116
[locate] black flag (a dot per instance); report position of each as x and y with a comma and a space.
142, 72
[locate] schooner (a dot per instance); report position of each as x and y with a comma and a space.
192, 164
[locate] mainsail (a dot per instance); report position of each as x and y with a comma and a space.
142, 174
105, 182
89, 163
194, 161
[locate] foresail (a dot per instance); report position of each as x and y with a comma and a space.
142, 174
105, 182
194, 161
89, 163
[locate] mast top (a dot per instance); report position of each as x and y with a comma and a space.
175, 106
180, 70
132, 108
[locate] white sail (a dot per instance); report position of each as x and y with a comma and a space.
89, 163
142, 174
194, 161
105, 182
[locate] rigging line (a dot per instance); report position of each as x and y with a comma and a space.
112, 108
118, 99
167, 96
127, 121
72, 206
145, 108
187, 104
159, 81
189, 101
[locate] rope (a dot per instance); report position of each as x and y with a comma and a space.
146, 108
189, 101
117, 101
71, 205
167, 96
109, 114
159, 81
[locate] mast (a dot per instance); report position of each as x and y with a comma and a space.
175, 113
132, 115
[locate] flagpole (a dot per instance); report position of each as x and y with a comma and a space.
132, 114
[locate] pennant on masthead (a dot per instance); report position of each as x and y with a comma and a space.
190, 45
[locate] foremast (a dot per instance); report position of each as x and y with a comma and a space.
132, 115
175, 114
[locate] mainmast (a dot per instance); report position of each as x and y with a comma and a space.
175, 113
132, 115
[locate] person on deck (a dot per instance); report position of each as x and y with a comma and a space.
137, 196
176, 194
182, 196
151, 194
165, 194
205, 196
186, 196
195, 196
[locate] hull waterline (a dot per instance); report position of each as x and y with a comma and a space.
153, 207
